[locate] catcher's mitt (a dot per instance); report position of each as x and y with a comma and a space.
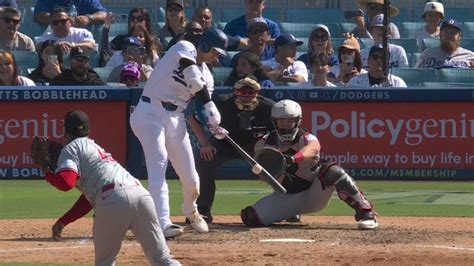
45, 152
272, 160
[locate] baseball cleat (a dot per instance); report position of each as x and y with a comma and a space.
294, 219
367, 224
366, 219
173, 230
198, 223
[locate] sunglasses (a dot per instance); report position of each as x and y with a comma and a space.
137, 18
174, 9
376, 56
246, 92
375, 7
321, 38
10, 20
59, 22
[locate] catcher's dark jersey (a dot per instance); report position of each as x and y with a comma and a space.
245, 127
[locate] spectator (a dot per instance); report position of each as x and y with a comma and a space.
10, 38
246, 115
375, 76
433, 14
136, 16
248, 63
449, 53
65, 34
320, 65
88, 11
130, 74
350, 61
398, 56
283, 67
9, 3
80, 73
134, 51
319, 42
50, 63
175, 20
374, 8
9, 71
192, 33
253, 9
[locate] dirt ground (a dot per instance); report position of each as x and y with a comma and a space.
330, 240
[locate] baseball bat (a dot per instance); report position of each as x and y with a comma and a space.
256, 167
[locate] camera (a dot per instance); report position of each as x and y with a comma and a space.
136, 51
351, 14
53, 59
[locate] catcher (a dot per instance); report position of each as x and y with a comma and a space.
291, 155
118, 199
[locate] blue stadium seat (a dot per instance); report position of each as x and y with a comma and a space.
228, 14
346, 27
159, 14
431, 43
412, 58
25, 60
415, 76
118, 28
468, 43
405, 15
438, 84
220, 75
304, 29
408, 44
406, 28
462, 75
366, 42
221, 25
459, 14
103, 72
29, 26
304, 47
313, 15
467, 29
189, 12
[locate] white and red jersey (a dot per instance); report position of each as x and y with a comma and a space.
174, 90
95, 167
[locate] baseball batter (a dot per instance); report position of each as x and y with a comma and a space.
159, 123
309, 181
119, 200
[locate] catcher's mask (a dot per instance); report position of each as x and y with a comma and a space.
246, 91
286, 117
76, 123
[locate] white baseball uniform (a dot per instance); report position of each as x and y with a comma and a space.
119, 200
162, 132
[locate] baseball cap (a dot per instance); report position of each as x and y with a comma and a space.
323, 27
257, 21
130, 41
248, 81
350, 43
375, 48
130, 69
451, 23
286, 39
175, 2
377, 21
76, 123
364, 3
433, 6
78, 52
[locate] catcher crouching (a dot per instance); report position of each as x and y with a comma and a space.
291, 155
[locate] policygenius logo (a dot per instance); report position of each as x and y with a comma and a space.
11, 129
413, 131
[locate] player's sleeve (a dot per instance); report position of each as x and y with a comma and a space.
78, 210
184, 49
63, 180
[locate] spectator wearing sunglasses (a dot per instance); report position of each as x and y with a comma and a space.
80, 73
247, 116
319, 42
136, 16
375, 76
374, 8
66, 36
10, 38
175, 20
88, 11
398, 55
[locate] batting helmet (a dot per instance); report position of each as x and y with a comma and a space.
213, 38
285, 109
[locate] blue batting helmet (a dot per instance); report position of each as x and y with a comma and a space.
213, 38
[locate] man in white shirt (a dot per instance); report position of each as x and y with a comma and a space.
433, 14
375, 76
284, 67
398, 56
449, 54
66, 35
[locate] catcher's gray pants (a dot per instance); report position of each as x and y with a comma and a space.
120, 208
278, 206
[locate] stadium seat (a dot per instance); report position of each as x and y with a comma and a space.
459, 14
29, 26
304, 47
336, 42
462, 75
103, 72
304, 29
406, 28
415, 77
25, 60
366, 42
408, 44
118, 28
228, 14
468, 43
412, 58
438, 84
221, 25
346, 27
159, 14
220, 75
431, 43
406, 14
467, 29
313, 15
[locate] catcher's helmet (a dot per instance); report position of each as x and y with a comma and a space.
213, 38
287, 109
